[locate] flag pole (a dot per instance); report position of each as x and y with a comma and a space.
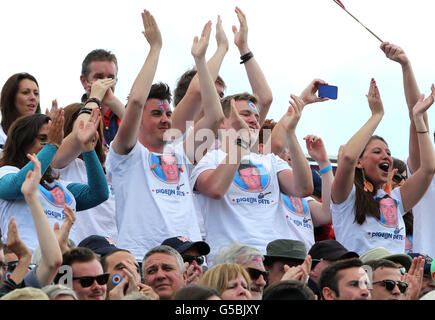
342, 6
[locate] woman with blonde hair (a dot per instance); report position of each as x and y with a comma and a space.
231, 280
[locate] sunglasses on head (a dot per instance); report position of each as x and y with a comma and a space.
189, 259
255, 274
89, 281
390, 284
398, 177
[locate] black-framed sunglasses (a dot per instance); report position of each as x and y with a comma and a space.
398, 178
89, 280
255, 274
390, 284
189, 259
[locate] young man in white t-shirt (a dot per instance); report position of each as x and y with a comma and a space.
150, 208
234, 210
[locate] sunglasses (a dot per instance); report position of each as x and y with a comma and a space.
390, 284
398, 177
189, 259
255, 274
89, 281
10, 266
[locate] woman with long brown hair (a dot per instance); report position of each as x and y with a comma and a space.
358, 188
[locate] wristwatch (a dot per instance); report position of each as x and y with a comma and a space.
242, 143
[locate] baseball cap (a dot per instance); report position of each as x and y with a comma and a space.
382, 253
285, 249
99, 244
330, 250
182, 244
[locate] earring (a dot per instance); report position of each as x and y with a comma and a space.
368, 187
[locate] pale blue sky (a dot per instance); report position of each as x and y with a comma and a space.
293, 41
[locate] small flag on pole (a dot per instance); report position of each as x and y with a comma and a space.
338, 2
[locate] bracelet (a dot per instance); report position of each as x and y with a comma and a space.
85, 110
246, 57
326, 169
97, 101
242, 143
423, 131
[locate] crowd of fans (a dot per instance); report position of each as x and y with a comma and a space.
208, 200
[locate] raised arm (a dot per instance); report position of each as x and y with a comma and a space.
189, 108
299, 181
278, 138
213, 114
17, 246
215, 183
416, 186
258, 82
71, 147
51, 256
412, 94
344, 176
320, 212
128, 131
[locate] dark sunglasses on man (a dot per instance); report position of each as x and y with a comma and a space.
255, 274
89, 280
390, 284
189, 259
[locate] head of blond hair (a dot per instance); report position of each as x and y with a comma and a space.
220, 275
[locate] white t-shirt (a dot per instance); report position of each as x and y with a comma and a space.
21, 211
148, 208
99, 220
423, 234
250, 217
300, 224
373, 232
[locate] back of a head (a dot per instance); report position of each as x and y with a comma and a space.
237, 252
195, 292
56, 290
28, 293
137, 296
288, 290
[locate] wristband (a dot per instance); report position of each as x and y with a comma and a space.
85, 110
246, 57
97, 101
326, 169
242, 143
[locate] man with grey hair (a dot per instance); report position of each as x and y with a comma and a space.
249, 258
163, 270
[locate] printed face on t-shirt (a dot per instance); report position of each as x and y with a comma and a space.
166, 167
388, 209
169, 166
298, 205
252, 178
58, 196
295, 205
